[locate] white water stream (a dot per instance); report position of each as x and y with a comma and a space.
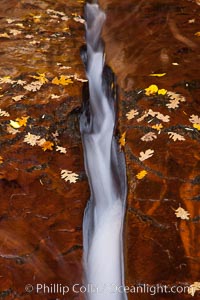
105, 168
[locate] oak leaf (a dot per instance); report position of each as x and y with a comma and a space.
194, 119
131, 114
61, 149
176, 137
182, 213
69, 176
31, 139
33, 86
145, 155
150, 136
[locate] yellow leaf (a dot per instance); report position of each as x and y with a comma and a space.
22, 121
196, 126
158, 75
63, 80
151, 90
162, 92
14, 124
41, 77
4, 35
157, 127
47, 146
197, 33
122, 140
141, 175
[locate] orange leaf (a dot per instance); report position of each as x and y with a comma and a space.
47, 146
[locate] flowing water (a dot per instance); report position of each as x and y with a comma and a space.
105, 167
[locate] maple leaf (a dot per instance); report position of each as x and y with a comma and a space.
157, 127
131, 114
122, 140
151, 90
33, 86
157, 75
4, 113
22, 121
141, 174
61, 149
176, 137
145, 155
41, 77
31, 139
47, 146
64, 80
69, 176
182, 213
193, 288
196, 126
18, 98
150, 136
194, 119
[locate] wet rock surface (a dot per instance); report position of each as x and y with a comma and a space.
41, 213
162, 137
41, 93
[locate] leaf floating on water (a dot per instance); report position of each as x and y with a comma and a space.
69, 176
158, 75
131, 114
145, 155
61, 149
149, 137
194, 119
141, 175
182, 213
4, 113
193, 288
31, 139
122, 140
176, 137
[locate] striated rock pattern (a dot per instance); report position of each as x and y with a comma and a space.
160, 116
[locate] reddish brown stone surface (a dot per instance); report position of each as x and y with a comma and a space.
41, 214
141, 38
